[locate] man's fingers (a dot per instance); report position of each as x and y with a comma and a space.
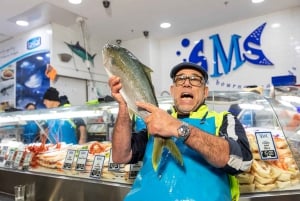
147, 106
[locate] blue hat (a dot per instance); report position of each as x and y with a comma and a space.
185, 65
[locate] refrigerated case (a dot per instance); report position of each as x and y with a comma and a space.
274, 174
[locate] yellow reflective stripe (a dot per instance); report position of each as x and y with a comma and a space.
219, 120
233, 181
234, 188
72, 123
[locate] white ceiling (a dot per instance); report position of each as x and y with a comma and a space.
127, 19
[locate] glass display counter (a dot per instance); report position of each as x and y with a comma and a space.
275, 170
275, 166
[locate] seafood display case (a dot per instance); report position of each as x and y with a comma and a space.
60, 171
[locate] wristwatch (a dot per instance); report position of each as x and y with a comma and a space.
184, 131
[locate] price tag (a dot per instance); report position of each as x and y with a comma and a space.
3, 153
97, 166
27, 160
266, 146
18, 159
81, 160
111, 165
10, 157
69, 159
134, 170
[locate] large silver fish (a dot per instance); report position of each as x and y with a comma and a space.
137, 86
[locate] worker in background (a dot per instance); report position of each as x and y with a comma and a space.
30, 106
79, 122
31, 129
57, 130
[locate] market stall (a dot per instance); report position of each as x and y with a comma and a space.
59, 171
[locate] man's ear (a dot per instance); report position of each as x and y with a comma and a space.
171, 90
206, 92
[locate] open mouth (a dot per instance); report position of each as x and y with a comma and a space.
186, 96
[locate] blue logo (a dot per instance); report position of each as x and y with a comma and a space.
234, 59
33, 43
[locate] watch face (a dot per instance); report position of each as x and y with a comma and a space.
183, 131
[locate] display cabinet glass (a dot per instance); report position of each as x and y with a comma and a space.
275, 152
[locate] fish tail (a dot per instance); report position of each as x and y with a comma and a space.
159, 144
157, 151
170, 144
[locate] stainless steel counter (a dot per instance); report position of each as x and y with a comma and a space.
6, 197
54, 187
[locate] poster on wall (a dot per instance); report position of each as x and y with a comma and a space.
31, 81
7, 85
23, 62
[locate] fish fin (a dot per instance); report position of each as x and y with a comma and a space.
92, 59
157, 151
159, 144
148, 71
171, 146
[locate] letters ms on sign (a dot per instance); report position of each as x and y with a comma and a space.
33, 43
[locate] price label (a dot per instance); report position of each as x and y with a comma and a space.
69, 159
97, 166
81, 160
134, 170
27, 160
10, 157
111, 165
266, 146
18, 159
3, 153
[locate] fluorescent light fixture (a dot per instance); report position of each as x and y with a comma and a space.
75, 1
257, 1
165, 25
22, 23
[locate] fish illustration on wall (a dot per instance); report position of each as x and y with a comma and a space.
81, 52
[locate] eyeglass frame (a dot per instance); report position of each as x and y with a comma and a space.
189, 77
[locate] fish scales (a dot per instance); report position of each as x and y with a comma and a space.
137, 86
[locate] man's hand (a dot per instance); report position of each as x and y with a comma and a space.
115, 85
159, 122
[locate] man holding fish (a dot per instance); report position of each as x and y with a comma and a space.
210, 147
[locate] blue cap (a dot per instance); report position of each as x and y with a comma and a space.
188, 65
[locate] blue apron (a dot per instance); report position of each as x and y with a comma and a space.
196, 180
61, 131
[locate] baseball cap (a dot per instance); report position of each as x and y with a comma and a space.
188, 65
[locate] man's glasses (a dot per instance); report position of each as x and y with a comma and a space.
194, 80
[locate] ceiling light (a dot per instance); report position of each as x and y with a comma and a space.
257, 1
275, 25
22, 23
75, 1
165, 25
